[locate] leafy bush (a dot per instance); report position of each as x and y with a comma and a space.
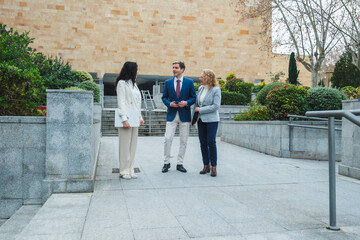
324, 98
230, 76
345, 73
20, 90
286, 99
258, 87
350, 92
232, 98
239, 86
222, 84
232, 85
82, 76
196, 85
75, 88
255, 113
91, 86
261, 96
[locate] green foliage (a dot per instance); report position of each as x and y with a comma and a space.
293, 72
196, 85
345, 73
258, 87
261, 96
275, 77
32, 68
233, 84
324, 98
233, 98
222, 84
239, 86
82, 76
350, 92
230, 76
321, 83
75, 88
91, 86
254, 113
20, 90
286, 99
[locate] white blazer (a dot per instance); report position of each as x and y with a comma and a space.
126, 99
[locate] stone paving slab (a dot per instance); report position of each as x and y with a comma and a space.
254, 197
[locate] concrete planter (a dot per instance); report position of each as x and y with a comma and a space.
272, 137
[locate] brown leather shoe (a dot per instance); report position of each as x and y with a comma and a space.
205, 170
213, 172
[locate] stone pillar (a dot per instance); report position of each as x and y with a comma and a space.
350, 165
69, 129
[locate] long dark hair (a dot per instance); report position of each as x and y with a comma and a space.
128, 72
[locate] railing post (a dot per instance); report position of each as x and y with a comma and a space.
291, 135
332, 179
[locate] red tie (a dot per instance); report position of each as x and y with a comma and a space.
178, 88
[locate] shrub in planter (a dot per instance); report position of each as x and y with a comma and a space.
232, 85
91, 86
222, 84
82, 76
196, 85
255, 113
261, 96
324, 98
286, 99
75, 88
239, 86
350, 92
233, 98
20, 90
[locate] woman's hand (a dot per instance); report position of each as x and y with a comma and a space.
142, 122
197, 109
126, 124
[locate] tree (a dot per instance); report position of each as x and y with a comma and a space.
293, 72
345, 73
300, 25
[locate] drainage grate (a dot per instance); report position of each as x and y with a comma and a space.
116, 170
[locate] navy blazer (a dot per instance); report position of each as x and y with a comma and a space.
187, 94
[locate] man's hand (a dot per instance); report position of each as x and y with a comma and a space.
173, 104
126, 124
182, 104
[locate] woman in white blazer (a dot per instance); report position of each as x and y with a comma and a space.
129, 99
207, 104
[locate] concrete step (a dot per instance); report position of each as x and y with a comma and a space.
14, 225
61, 217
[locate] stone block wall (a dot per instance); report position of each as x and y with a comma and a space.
22, 162
99, 36
272, 137
350, 165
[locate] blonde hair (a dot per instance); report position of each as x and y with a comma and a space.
210, 78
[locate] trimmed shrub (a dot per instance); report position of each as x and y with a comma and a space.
324, 98
261, 96
345, 73
81, 76
196, 85
232, 98
350, 92
285, 100
255, 113
232, 85
91, 86
222, 84
239, 86
75, 88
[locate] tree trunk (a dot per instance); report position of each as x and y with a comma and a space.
314, 78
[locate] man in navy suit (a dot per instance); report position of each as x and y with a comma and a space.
179, 94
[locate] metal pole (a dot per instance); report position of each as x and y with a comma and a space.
332, 179
290, 135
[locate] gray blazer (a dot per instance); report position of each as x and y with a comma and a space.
209, 108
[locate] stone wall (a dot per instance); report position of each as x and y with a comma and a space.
272, 137
43, 155
350, 165
22, 162
99, 36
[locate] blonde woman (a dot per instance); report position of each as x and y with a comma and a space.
207, 104
129, 98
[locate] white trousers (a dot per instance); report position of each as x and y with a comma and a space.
169, 135
127, 149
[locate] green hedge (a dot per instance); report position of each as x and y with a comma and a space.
261, 96
255, 113
233, 98
82, 76
324, 98
91, 86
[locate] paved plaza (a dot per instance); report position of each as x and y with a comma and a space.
254, 197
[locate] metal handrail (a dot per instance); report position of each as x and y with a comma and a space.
351, 116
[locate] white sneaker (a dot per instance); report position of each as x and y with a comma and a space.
133, 175
126, 176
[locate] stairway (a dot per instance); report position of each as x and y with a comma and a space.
158, 124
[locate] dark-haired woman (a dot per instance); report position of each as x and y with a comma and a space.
129, 99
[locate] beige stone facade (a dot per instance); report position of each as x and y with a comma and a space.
100, 35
